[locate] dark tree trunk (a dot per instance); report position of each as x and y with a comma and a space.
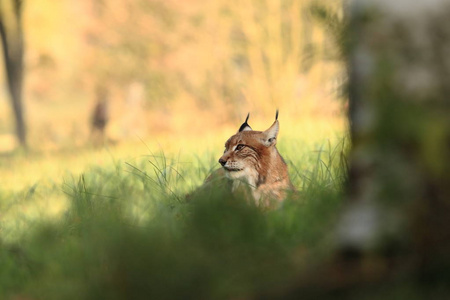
399, 73
13, 50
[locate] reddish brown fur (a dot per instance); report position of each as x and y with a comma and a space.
258, 163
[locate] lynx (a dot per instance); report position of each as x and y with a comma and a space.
252, 159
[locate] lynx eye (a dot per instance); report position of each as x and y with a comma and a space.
239, 147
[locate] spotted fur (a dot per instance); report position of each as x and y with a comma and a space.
251, 158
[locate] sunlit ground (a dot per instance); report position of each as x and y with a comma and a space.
34, 183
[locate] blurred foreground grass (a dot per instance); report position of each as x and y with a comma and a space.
113, 223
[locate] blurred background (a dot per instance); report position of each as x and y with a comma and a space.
112, 111
154, 69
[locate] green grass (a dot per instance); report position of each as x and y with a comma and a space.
126, 231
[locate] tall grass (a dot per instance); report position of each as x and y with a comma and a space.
129, 233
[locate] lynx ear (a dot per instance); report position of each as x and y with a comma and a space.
270, 135
245, 126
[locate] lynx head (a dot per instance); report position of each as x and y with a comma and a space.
249, 153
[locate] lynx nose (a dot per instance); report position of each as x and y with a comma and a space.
222, 161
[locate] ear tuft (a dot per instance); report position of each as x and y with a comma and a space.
276, 115
245, 126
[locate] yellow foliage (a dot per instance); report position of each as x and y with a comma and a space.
193, 60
